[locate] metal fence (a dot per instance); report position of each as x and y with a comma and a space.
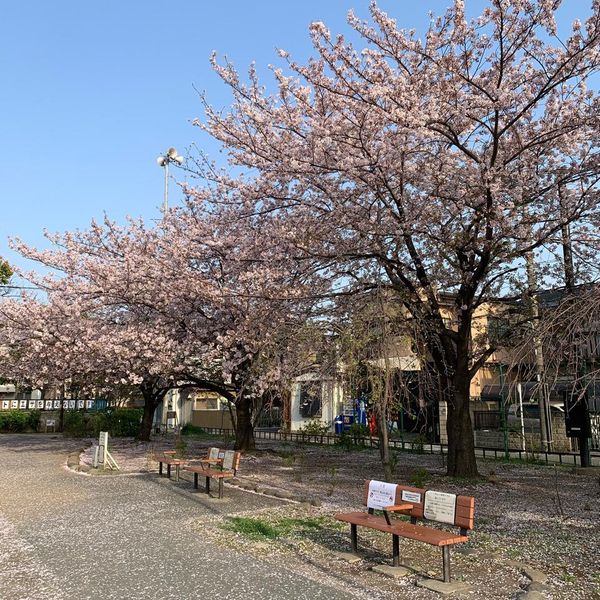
559, 458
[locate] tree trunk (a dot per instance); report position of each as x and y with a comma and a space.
244, 429
150, 406
461, 441
153, 396
384, 448
451, 356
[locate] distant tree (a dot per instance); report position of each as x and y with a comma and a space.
5, 273
427, 165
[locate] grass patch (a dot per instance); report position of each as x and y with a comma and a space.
255, 528
252, 528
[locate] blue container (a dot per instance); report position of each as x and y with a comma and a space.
348, 421
338, 425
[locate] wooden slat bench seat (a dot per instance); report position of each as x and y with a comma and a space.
435, 537
168, 459
229, 464
418, 504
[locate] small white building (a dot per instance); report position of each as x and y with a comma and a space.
315, 398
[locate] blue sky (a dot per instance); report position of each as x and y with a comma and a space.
94, 91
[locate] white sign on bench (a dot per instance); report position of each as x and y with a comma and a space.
413, 497
440, 506
381, 494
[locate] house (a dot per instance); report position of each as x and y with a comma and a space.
504, 381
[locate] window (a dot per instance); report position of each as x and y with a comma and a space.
310, 399
498, 328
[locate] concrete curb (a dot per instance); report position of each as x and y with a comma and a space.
73, 463
273, 492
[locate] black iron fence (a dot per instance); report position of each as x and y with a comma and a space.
417, 446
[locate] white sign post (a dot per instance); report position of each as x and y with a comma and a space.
104, 456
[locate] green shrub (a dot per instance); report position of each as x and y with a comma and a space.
13, 421
189, 429
345, 442
33, 419
97, 422
418, 478
124, 422
180, 447
121, 422
17, 421
358, 431
75, 425
419, 444
314, 428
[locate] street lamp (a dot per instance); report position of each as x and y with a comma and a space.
163, 161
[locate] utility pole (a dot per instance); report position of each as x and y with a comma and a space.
569, 273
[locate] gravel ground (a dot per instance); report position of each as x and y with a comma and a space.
68, 536
527, 516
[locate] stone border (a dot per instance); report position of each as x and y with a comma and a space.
536, 588
273, 492
74, 464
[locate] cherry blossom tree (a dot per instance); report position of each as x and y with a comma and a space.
428, 165
96, 324
70, 339
202, 300
260, 298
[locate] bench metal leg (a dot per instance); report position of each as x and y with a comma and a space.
353, 538
160, 468
220, 487
176, 472
196, 481
208, 485
396, 550
446, 563
169, 471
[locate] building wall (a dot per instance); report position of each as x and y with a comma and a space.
220, 419
495, 439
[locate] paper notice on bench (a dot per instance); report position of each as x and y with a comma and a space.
381, 494
439, 506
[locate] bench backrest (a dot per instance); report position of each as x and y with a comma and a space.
231, 461
435, 506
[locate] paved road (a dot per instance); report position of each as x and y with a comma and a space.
65, 536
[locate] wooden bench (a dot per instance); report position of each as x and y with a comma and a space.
169, 459
418, 504
226, 468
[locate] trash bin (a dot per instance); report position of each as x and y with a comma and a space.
338, 425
